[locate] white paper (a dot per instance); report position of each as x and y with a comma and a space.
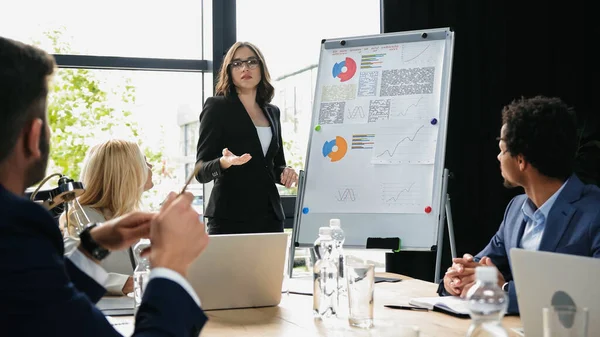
377, 111
406, 142
353, 184
124, 326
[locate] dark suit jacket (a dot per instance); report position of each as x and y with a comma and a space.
572, 227
244, 191
44, 294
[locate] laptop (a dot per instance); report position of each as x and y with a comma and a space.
540, 275
240, 271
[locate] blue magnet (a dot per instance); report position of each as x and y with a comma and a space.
305, 210
433, 121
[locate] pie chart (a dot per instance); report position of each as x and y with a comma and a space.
335, 149
344, 70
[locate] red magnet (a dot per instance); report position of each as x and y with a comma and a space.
428, 209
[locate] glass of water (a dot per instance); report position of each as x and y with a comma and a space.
565, 321
361, 288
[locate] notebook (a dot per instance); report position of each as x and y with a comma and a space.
451, 305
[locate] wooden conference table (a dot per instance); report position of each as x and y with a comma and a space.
293, 316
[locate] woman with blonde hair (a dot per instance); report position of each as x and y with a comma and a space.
115, 174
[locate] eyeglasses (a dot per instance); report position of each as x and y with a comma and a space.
251, 63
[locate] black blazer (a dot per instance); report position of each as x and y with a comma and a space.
246, 191
39, 288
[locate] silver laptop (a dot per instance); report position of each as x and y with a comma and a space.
240, 271
539, 276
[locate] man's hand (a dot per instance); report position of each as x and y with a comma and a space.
461, 273
449, 285
122, 232
229, 159
468, 283
177, 234
289, 177
488, 262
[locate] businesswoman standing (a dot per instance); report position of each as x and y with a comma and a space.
240, 147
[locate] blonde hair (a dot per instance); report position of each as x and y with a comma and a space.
114, 174
225, 86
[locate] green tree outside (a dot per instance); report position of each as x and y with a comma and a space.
81, 111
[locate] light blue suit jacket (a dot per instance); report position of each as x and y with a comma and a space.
572, 227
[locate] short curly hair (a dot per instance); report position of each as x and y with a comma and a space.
544, 131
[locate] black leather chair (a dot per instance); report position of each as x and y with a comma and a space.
289, 207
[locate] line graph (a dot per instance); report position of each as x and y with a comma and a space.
415, 107
420, 53
405, 196
357, 112
403, 113
408, 143
400, 194
345, 195
409, 58
397, 196
411, 139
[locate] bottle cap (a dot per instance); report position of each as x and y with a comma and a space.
486, 274
325, 231
139, 247
335, 223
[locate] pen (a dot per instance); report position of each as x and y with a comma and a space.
405, 307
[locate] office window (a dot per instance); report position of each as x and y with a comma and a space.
132, 28
290, 41
92, 102
89, 106
190, 138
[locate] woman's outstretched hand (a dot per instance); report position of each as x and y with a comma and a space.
229, 159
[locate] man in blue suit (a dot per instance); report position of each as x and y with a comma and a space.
44, 293
557, 213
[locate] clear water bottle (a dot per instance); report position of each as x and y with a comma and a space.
141, 273
487, 304
325, 278
316, 250
76, 218
337, 233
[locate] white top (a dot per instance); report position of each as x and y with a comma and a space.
265, 135
117, 264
